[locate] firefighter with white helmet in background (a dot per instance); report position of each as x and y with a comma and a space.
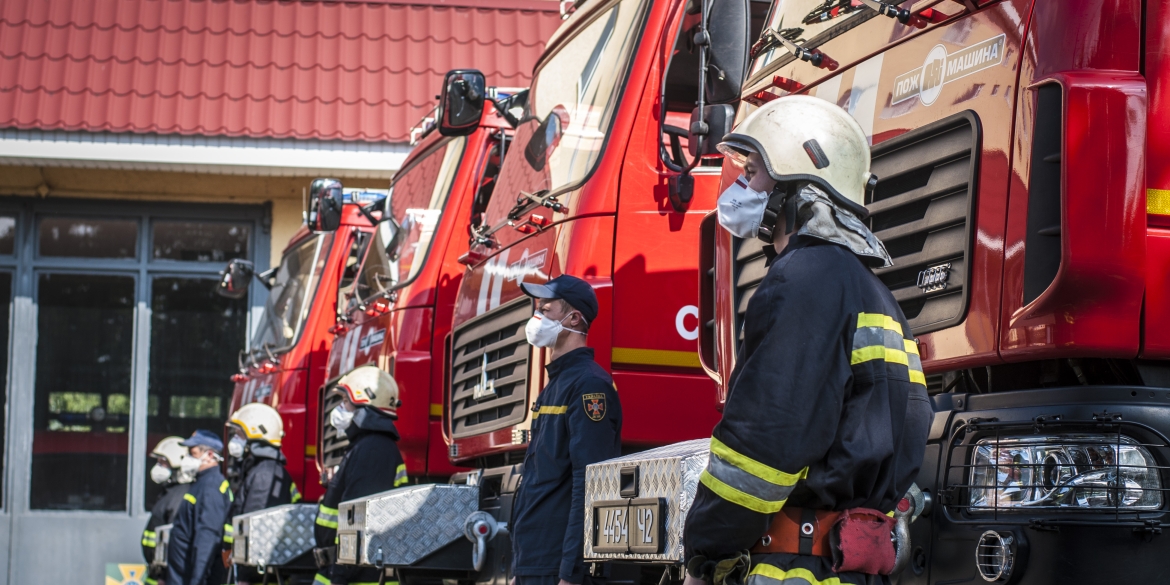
372, 463
826, 419
255, 432
168, 455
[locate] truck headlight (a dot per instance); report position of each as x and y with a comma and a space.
1069, 471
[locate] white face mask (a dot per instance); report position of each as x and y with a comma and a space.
190, 465
340, 418
160, 474
741, 209
236, 447
543, 332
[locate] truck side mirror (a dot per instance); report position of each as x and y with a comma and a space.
234, 280
716, 121
461, 103
729, 31
323, 213
390, 233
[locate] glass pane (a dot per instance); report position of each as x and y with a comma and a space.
349, 276
195, 336
417, 200
85, 334
196, 241
87, 237
6, 297
291, 296
7, 236
571, 105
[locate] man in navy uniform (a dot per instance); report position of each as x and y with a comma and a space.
193, 555
576, 421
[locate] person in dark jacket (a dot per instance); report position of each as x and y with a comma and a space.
577, 420
372, 463
256, 431
168, 454
194, 553
827, 408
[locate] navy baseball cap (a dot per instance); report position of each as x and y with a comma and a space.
570, 289
202, 438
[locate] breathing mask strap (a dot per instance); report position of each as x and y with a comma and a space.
779, 200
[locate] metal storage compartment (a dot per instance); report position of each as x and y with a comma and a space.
656, 488
401, 527
275, 536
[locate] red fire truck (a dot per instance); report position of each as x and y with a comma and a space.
286, 362
1023, 192
397, 311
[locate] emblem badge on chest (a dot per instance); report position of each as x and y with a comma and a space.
594, 406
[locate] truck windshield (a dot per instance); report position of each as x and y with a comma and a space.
810, 23
292, 294
571, 106
418, 199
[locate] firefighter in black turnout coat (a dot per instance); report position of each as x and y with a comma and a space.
372, 463
827, 415
168, 454
194, 553
256, 430
577, 420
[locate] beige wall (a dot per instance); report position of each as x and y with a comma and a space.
283, 193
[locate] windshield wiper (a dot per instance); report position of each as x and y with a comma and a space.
814, 56
919, 20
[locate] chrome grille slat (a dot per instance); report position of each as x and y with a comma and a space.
499, 334
333, 444
949, 178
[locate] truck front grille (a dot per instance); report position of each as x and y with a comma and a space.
333, 443
749, 269
922, 211
498, 335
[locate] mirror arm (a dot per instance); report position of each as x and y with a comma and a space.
366, 209
266, 277
502, 109
682, 187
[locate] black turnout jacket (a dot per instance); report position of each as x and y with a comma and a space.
577, 420
371, 465
193, 555
827, 407
264, 481
163, 512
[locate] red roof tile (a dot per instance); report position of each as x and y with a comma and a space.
259, 68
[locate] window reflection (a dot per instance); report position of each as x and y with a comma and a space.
196, 241
7, 234
85, 332
75, 237
289, 299
195, 336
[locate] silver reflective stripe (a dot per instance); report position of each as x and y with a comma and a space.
867, 336
746, 482
763, 574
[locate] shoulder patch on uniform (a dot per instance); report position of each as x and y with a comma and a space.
594, 406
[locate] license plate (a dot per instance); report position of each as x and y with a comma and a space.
628, 526
347, 547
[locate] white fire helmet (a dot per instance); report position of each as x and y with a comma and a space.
259, 422
370, 386
802, 138
170, 449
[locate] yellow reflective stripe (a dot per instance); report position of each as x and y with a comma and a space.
655, 357
326, 523
878, 352
326, 516
319, 578
323, 509
223, 487
737, 497
400, 475
310, 450
148, 534
878, 320
550, 410
150, 581
910, 347
754, 467
436, 410
189, 498
795, 574
1158, 201
148, 543
296, 494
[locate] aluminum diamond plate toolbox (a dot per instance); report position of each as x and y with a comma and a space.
162, 538
400, 527
641, 502
274, 536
